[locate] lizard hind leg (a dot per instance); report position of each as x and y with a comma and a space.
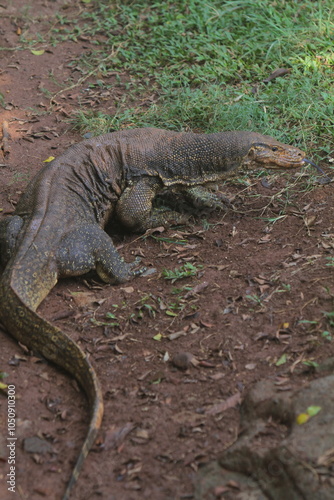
89, 248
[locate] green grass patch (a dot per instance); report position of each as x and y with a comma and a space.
197, 42
205, 63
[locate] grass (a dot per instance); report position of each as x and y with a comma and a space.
185, 271
206, 61
195, 42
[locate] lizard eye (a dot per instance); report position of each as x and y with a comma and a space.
274, 148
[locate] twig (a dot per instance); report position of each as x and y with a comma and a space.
12, 48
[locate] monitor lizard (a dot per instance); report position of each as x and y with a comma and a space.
57, 228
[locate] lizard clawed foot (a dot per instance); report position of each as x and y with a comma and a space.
136, 272
167, 218
224, 202
200, 197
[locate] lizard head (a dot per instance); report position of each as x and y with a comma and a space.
276, 155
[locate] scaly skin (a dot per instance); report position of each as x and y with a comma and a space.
57, 227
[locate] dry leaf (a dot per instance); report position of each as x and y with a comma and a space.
276, 74
234, 274
82, 299
265, 239
206, 324
217, 376
250, 366
176, 335
115, 436
197, 289
230, 402
327, 459
309, 221
37, 52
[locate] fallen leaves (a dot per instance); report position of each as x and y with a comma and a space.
309, 220
46, 133
128, 289
49, 159
196, 290
282, 360
250, 366
264, 239
83, 299
141, 436
327, 459
115, 436
176, 335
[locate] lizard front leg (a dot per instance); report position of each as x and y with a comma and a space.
88, 247
200, 196
134, 208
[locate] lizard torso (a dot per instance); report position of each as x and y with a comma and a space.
57, 227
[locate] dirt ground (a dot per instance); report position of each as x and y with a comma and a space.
256, 310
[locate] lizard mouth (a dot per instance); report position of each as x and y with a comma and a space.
286, 164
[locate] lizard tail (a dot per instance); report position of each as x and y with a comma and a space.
94, 426
41, 336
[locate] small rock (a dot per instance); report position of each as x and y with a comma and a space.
35, 444
183, 360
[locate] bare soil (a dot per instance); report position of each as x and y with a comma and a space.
256, 311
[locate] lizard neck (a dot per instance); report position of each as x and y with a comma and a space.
189, 158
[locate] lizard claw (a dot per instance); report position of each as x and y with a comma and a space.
139, 272
223, 201
135, 263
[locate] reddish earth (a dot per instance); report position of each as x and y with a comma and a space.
260, 295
